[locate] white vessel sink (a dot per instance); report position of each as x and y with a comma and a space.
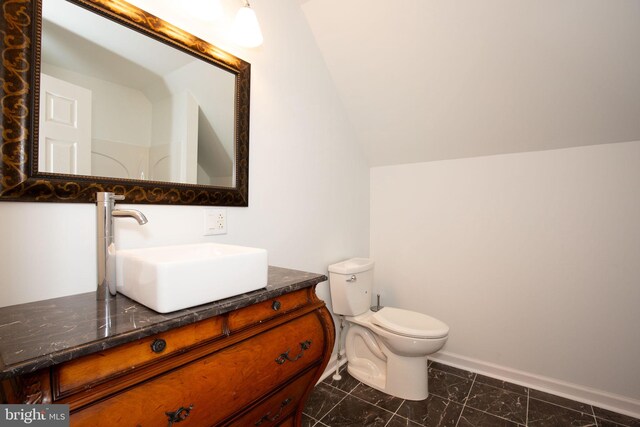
170, 278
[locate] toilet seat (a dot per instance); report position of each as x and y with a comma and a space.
409, 323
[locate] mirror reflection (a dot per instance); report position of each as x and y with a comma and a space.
115, 103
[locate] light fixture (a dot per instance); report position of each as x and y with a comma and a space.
246, 30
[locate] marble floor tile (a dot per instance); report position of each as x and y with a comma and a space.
376, 397
457, 398
448, 386
451, 370
433, 411
604, 415
352, 412
398, 421
606, 423
501, 384
307, 421
499, 402
322, 399
544, 414
560, 401
347, 383
473, 418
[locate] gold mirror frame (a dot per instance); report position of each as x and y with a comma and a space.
21, 31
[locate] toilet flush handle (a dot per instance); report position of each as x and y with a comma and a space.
353, 278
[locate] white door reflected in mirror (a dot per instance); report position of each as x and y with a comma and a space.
65, 127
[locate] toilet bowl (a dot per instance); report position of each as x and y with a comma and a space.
388, 349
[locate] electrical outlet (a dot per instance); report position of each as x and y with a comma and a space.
215, 221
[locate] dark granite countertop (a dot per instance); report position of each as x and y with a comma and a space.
44, 333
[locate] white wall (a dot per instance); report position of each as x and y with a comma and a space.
532, 259
214, 92
308, 187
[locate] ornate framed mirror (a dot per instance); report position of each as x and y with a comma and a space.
99, 95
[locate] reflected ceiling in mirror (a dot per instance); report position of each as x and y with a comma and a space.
149, 111
123, 101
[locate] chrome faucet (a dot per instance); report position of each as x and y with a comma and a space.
106, 246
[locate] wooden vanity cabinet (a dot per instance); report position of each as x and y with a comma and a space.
254, 366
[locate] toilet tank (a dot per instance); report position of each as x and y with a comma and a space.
351, 284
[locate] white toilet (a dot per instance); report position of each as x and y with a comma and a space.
387, 349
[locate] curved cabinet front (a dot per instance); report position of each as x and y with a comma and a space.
215, 386
252, 366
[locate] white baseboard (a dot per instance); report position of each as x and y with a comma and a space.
601, 399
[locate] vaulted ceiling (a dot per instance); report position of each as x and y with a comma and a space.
426, 80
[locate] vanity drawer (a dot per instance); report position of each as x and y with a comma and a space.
288, 422
275, 409
217, 385
82, 372
266, 310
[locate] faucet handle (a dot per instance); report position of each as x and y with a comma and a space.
105, 196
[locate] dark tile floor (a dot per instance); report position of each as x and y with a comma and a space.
456, 398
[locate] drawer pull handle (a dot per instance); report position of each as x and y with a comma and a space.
158, 346
276, 305
268, 417
180, 415
285, 356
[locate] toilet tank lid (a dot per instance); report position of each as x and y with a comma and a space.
410, 323
352, 266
